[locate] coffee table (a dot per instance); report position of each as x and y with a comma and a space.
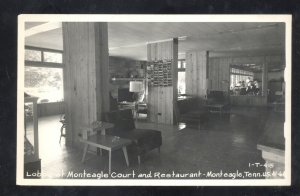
106, 142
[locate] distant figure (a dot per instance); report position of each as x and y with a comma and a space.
256, 89
248, 80
243, 84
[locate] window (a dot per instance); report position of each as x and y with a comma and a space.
44, 83
245, 79
181, 77
181, 82
33, 55
238, 76
44, 74
40, 55
52, 57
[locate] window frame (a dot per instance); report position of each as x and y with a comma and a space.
44, 64
181, 69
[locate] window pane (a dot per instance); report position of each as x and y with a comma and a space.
179, 64
181, 82
33, 55
52, 57
183, 64
45, 83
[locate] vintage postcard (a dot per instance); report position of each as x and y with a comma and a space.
154, 100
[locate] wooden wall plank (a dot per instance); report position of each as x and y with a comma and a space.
102, 61
196, 70
219, 72
188, 72
174, 89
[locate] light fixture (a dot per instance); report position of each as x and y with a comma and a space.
136, 86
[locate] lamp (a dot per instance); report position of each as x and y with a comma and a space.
136, 87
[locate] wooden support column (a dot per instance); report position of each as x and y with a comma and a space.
162, 100
85, 75
102, 69
197, 73
265, 78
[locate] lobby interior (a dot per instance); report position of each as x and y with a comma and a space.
211, 96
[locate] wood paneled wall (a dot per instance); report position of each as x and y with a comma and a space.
219, 76
244, 100
85, 75
162, 101
196, 73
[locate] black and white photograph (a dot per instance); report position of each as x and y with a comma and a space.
154, 100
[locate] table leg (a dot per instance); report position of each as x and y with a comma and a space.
99, 152
84, 152
109, 161
125, 155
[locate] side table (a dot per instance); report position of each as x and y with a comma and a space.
105, 142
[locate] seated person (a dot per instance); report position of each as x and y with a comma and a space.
250, 88
243, 91
256, 90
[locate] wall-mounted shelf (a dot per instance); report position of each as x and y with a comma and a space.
127, 79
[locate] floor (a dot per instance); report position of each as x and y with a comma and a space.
225, 144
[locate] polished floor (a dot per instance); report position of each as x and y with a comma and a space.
224, 145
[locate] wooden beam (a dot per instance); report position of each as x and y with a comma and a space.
42, 28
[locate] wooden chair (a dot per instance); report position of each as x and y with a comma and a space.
63, 127
62, 120
141, 108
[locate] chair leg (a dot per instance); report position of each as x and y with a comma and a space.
109, 162
84, 152
125, 155
61, 132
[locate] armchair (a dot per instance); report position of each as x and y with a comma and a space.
144, 140
192, 111
217, 102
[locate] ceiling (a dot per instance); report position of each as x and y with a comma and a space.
129, 39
